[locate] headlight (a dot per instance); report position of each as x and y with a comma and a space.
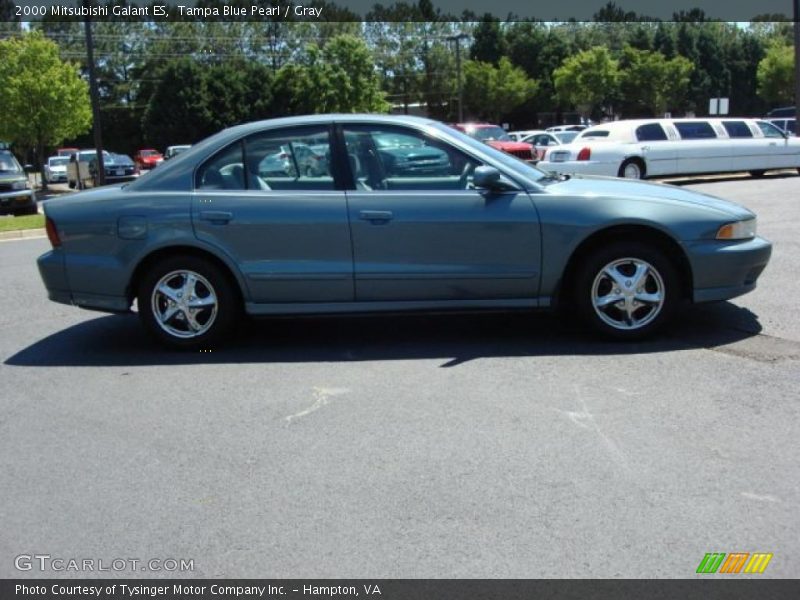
740, 230
20, 185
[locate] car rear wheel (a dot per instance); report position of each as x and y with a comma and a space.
633, 168
188, 303
627, 290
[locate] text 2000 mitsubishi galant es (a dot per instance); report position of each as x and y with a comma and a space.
311, 215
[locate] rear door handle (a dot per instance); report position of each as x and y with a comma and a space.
221, 217
376, 216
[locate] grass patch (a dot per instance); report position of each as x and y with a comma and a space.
17, 223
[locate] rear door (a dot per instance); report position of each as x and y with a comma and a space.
429, 235
701, 149
284, 224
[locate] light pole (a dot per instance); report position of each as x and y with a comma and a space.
457, 39
797, 65
98, 137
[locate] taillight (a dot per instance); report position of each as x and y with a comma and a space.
52, 232
584, 154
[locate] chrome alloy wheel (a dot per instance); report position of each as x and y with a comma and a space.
184, 304
628, 293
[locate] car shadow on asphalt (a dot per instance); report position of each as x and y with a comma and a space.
723, 177
119, 340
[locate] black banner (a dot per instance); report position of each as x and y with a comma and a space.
734, 588
406, 10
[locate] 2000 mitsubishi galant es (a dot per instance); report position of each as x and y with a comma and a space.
313, 215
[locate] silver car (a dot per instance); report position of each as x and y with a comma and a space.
211, 235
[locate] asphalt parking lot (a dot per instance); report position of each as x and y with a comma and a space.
496, 445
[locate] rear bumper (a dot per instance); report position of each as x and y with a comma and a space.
581, 167
54, 276
722, 270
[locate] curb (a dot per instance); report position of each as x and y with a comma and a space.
22, 234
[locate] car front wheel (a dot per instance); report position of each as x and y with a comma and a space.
627, 291
188, 303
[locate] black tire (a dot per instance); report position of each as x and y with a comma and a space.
224, 320
633, 162
590, 274
758, 173
71, 185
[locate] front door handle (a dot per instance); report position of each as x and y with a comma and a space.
220, 217
376, 217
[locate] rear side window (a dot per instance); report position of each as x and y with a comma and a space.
594, 133
737, 129
695, 130
652, 132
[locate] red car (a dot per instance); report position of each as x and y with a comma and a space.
148, 158
496, 137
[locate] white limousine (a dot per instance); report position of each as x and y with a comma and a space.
658, 147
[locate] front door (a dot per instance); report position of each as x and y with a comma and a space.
422, 232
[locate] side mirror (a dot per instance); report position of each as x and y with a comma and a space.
486, 177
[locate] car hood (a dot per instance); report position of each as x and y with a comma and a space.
640, 190
509, 146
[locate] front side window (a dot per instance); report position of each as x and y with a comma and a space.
385, 158
737, 129
695, 130
769, 130
652, 132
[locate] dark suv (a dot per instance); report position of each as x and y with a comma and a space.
16, 195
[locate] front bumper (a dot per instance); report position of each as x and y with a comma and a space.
724, 270
11, 202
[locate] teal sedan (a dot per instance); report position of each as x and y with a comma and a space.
209, 236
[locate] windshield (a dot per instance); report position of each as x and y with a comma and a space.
58, 161
565, 137
488, 134
149, 152
8, 164
512, 162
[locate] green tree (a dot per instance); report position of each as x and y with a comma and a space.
44, 99
587, 79
776, 74
489, 43
651, 84
179, 110
340, 77
493, 91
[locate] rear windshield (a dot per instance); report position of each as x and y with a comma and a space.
58, 161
